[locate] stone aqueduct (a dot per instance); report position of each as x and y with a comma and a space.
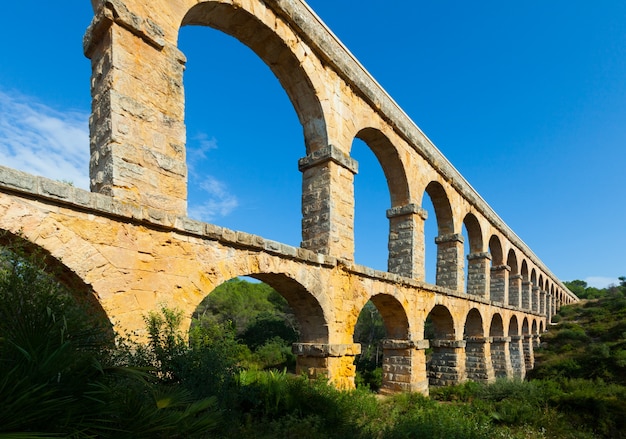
129, 244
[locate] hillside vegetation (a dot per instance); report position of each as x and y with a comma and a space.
62, 375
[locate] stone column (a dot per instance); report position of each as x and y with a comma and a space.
478, 365
406, 241
527, 299
478, 278
542, 303
536, 341
404, 366
501, 357
529, 352
328, 202
549, 307
499, 289
536, 299
447, 366
515, 290
517, 356
334, 361
137, 129
450, 261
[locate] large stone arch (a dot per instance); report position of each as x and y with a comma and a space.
516, 349
449, 244
447, 350
477, 349
500, 357
528, 344
535, 290
306, 308
478, 261
53, 265
279, 54
515, 280
442, 206
402, 362
499, 276
391, 163
526, 286
405, 225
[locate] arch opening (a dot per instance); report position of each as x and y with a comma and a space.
500, 357
498, 285
251, 114
476, 260
477, 366
12, 245
516, 349
444, 349
445, 263
382, 329
263, 315
371, 201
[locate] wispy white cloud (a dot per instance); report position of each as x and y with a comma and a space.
213, 198
44, 141
200, 146
601, 281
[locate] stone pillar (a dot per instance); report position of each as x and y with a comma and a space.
536, 299
334, 361
478, 365
529, 352
447, 366
542, 303
499, 289
404, 366
137, 129
515, 290
501, 357
516, 350
527, 299
536, 341
450, 261
406, 241
478, 278
328, 202
549, 307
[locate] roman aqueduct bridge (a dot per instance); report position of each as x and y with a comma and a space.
129, 244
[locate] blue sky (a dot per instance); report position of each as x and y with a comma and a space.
526, 99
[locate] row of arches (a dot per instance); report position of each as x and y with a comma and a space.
477, 345
336, 102
473, 255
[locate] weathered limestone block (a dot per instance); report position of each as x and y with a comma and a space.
501, 357
499, 289
450, 261
529, 354
328, 202
515, 290
478, 274
536, 300
334, 361
447, 366
527, 295
406, 240
478, 365
404, 366
137, 122
517, 356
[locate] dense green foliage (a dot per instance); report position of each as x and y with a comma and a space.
62, 376
588, 341
257, 317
